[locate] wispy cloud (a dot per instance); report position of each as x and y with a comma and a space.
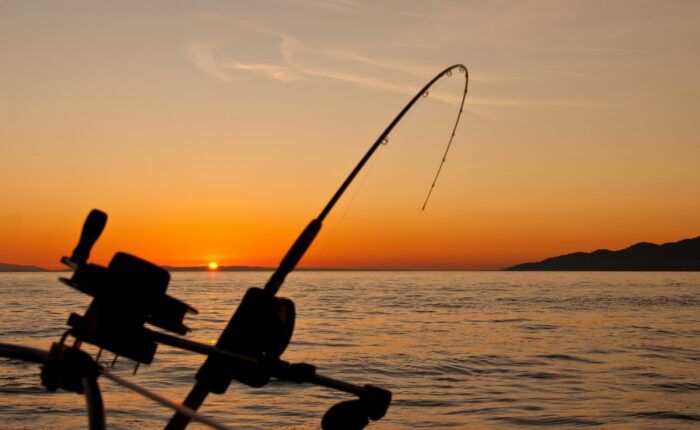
383, 63
296, 61
273, 71
201, 56
344, 6
299, 62
530, 102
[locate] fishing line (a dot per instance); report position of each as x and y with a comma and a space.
449, 143
336, 226
163, 401
384, 139
424, 92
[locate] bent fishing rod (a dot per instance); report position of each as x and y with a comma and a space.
131, 292
209, 376
298, 249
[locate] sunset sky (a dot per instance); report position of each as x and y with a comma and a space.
214, 131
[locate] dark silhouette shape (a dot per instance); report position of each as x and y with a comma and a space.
348, 415
127, 294
92, 229
355, 414
676, 256
69, 369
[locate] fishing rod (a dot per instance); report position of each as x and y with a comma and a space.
243, 329
296, 252
131, 292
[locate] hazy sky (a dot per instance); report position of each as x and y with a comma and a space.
214, 131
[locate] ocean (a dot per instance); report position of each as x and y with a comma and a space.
478, 350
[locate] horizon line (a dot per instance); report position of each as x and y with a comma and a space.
204, 268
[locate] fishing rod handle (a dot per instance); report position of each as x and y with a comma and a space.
92, 229
293, 256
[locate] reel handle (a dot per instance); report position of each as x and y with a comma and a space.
92, 229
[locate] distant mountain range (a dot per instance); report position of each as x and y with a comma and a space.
5, 267
676, 256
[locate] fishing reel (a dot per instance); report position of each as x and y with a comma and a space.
355, 414
261, 328
128, 293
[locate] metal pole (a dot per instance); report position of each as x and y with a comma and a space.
95, 407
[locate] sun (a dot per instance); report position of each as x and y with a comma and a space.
213, 265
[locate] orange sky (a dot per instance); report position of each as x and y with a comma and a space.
215, 132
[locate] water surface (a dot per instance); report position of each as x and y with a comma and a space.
457, 349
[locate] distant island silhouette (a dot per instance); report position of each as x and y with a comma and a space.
683, 255
6, 267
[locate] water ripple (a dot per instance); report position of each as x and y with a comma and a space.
665, 415
549, 421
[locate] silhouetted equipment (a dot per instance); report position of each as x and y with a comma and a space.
66, 367
347, 415
290, 260
261, 328
205, 382
92, 229
71, 369
131, 292
355, 414
127, 294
